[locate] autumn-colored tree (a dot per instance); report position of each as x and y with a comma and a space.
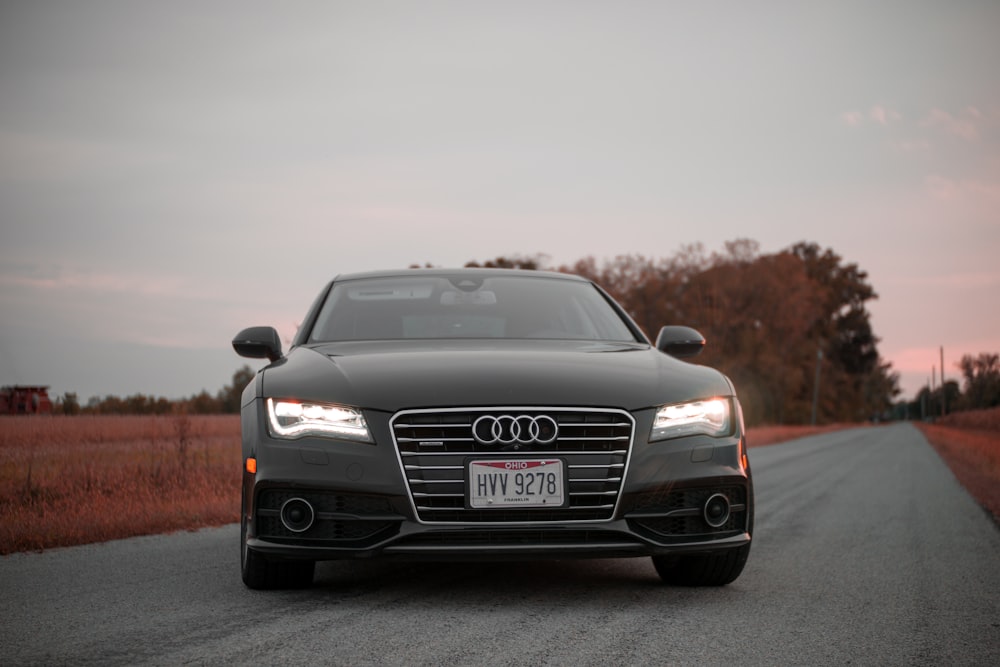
68, 404
230, 395
757, 312
929, 404
880, 388
644, 287
226, 400
202, 403
766, 317
135, 404
530, 262
982, 381
843, 332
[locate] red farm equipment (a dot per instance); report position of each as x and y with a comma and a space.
24, 400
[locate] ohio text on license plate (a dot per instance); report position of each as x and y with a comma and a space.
516, 483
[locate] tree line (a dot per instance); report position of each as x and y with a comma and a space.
791, 329
979, 390
225, 401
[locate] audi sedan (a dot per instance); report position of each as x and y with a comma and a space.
487, 414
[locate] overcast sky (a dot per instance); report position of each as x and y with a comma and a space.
171, 172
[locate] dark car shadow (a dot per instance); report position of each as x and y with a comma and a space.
554, 586
476, 581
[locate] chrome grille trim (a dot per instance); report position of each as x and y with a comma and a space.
432, 451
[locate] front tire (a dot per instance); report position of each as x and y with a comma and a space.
262, 573
712, 569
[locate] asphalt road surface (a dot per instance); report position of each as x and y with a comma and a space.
866, 551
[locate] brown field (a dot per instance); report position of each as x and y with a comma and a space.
76, 480
969, 442
980, 420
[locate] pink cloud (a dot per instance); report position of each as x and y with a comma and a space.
965, 126
75, 280
877, 114
853, 118
883, 115
943, 188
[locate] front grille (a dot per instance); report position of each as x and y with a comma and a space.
340, 519
435, 446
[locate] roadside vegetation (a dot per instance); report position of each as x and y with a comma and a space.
969, 442
76, 480
225, 401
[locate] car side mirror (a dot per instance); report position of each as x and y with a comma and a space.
258, 343
680, 341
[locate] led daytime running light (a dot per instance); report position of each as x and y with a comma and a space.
709, 417
293, 419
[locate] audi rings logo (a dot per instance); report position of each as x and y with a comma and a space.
514, 430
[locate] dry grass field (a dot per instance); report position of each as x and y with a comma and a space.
76, 480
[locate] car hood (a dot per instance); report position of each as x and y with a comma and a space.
393, 375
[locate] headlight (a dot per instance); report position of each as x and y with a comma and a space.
294, 419
708, 417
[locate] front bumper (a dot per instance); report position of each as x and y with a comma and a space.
362, 506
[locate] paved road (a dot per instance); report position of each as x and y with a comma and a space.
866, 552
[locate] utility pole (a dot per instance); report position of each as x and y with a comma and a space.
819, 365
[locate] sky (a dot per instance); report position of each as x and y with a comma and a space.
171, 173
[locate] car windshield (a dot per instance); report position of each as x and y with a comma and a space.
467, 306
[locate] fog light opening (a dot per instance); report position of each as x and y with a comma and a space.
297, 515
716, 510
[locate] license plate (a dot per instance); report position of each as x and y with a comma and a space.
516, 483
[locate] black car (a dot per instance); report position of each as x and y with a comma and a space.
487, 414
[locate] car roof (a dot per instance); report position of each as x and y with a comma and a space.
453, 273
